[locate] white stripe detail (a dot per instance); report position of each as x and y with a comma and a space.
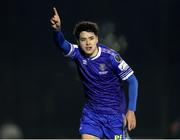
73, 46
99, 53
127, 76
123, 74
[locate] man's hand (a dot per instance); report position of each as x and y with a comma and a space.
130, 120
55, 20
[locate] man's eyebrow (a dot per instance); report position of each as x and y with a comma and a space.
87, 37
82, 37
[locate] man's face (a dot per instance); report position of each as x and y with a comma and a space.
88, 43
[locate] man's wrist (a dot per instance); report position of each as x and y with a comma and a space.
130, 110
56, 29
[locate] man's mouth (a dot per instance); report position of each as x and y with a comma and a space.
88, 48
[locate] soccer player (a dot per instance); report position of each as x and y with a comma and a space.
101, 71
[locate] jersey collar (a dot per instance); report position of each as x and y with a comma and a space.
98, 54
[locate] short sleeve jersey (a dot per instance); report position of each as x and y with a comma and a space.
101, 77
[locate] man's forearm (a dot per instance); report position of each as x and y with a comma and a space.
61, 42
132, 92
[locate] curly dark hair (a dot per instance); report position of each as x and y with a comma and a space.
85, 26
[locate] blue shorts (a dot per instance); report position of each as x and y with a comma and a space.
102, 126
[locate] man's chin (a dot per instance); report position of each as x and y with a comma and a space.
88, 53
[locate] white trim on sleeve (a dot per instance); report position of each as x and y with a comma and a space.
127, 76
73, 46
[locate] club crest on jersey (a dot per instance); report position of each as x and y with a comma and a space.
102, 68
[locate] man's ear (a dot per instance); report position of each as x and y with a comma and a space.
97, 39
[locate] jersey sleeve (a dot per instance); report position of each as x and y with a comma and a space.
73, 52
120, 67
69, 50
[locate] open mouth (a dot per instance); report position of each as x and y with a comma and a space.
88, 48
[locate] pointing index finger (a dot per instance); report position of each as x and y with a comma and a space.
55, 11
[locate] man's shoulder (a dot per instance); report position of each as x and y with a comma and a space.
105, 49
111, 54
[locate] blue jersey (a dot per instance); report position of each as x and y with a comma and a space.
101, 77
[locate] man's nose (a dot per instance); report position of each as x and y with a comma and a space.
87, 42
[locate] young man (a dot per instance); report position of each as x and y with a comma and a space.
101, 70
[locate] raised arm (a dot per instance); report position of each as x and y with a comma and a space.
60, 41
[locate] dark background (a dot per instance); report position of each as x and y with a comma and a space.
39, 88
